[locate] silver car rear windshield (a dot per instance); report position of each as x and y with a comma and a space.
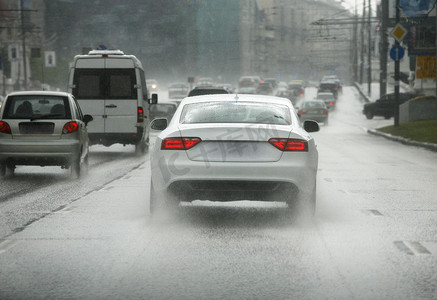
37, 107
236, 112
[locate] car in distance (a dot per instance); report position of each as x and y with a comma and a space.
297, 87
205, 82
234, 147
178, 90
314, 110
385, 106
329, 86
198, 91
328, 98
264, 88
162, 110
249, 82
44, 129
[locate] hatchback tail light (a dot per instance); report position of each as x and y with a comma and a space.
140, 115
70, 127
5, 128
296, 145
179, 143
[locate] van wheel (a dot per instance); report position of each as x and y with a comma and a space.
369, 115
141, 147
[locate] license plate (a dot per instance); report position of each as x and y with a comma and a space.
36, 128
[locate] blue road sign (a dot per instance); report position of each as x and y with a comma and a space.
397, 52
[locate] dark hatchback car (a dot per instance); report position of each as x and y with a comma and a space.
329, 86
264, 88
385, 106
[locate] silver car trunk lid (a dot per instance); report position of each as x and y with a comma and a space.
37, 129
234, 142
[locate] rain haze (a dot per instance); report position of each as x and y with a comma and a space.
217, 149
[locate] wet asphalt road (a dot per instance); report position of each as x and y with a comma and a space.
374, 235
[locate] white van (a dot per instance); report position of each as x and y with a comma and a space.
111, 87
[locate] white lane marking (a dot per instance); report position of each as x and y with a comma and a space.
411, 248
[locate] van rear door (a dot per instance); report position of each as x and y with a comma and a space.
88, 88
121, 103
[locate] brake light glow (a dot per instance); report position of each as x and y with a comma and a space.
5, 128
140, 116
296, 145
70, 127
179, 143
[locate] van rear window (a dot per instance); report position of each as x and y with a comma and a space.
105, 84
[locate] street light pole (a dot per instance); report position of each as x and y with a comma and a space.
384, 49
397, 70
23, 40
369, 53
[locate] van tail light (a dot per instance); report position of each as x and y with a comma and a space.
331, 103
140, 115
5, 128
302, 111
325, 112
70, 127
179, 143
295, 145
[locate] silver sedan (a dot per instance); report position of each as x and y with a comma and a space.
234, 147
44, 129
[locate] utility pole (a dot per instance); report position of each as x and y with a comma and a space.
397, 70
369, 53
362, 43
355, 44
23, 40
384, 49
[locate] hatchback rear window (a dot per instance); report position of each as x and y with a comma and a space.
37, 107
236, 112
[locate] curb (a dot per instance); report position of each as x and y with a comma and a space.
428, 146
